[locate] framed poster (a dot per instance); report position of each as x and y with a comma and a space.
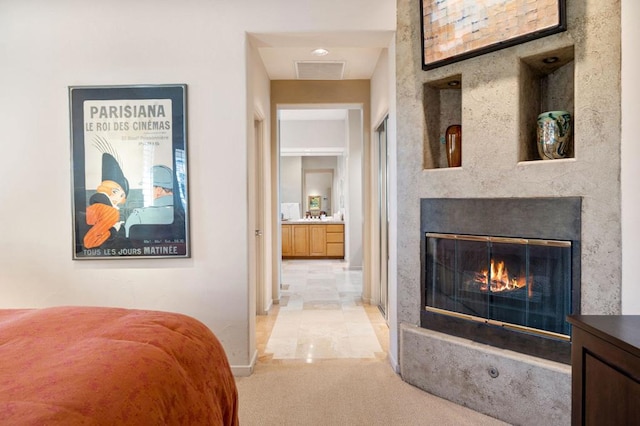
454, 30
129, 171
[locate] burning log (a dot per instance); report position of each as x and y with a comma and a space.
498, 279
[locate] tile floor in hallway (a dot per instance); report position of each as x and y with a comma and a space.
321, 316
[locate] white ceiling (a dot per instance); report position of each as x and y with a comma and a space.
359, 51
313, 114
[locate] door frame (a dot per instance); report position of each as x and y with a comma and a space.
258, 207
275, 162
381, 165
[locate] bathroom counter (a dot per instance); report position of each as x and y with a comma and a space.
313, 222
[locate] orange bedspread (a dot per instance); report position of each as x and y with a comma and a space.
84, 365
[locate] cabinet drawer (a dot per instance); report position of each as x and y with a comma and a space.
335, 237
335, 228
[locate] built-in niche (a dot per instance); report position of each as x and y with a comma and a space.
443, 108
546, 84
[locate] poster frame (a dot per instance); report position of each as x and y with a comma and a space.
106, 123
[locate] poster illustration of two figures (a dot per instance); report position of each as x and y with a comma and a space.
129, 171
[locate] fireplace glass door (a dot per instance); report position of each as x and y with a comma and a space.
523, 284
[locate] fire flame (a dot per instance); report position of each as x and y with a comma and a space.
500, 279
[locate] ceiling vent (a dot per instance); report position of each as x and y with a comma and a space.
320, 70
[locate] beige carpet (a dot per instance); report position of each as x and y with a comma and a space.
343, 392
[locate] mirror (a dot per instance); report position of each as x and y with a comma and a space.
318, 189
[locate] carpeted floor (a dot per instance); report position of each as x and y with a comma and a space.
343, 392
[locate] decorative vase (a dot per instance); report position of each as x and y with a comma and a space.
554, 135
453, 137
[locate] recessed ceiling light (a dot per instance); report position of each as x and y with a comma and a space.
320, 52
550, 59
454, 83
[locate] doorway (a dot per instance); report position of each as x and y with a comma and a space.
320, 314
320, 158
353, 191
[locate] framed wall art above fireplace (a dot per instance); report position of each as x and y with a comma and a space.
454, 30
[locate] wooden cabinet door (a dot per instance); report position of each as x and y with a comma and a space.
610, 395
286, 240
605, 369
300, 240
335, 250
317, 240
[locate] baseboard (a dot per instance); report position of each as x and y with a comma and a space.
394, 363
245, 370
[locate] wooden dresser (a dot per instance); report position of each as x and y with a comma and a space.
605, 369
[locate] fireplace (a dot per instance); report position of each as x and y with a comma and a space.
503, 272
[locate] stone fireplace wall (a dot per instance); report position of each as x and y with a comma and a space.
492, 104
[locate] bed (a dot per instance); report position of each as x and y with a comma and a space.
111, 366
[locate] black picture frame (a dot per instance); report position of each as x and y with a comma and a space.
129, 171
452, 31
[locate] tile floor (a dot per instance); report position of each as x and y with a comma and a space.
321, 316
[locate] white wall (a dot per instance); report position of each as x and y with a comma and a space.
354, 217
47, 46
291, 181
630, 172
380, 85
312, 134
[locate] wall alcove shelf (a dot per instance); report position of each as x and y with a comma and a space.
546, 84
444, 100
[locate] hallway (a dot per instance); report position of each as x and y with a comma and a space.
322, 360
321, 316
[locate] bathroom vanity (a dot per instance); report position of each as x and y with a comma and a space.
313, 239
